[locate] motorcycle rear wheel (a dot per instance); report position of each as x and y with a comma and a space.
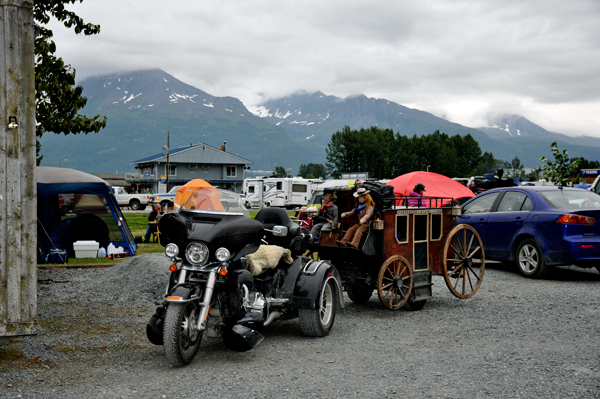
319, 322
181, 339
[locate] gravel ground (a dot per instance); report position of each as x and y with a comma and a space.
516, 338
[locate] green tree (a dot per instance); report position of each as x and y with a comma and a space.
561, 169
385, 155
279, 172
487, 164
468, 154
312, 171
534, 174
513, 169
58, 99
585, 164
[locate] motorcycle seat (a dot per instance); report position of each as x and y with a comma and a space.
296, 236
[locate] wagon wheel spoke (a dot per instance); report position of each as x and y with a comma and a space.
456, 252
469, 277
473, 253
470, 243
457, 272
474, 273
394, 292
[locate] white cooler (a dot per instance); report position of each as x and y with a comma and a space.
86, 249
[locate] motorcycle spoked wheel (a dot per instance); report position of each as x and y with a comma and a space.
181, 339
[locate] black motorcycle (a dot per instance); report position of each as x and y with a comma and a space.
211, 292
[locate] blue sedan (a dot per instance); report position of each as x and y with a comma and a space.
537, 226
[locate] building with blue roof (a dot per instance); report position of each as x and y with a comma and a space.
196, 161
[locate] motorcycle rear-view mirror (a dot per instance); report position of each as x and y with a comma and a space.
280, 231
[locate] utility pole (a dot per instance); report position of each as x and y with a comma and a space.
18, 187
168, 135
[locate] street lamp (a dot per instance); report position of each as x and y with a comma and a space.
428, 166
60, 162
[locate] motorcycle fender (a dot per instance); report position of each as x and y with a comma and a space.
311, 280
185, 292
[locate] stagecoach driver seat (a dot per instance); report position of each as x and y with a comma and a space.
297, 239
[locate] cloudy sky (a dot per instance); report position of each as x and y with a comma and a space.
458, 59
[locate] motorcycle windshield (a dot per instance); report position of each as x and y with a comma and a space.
215, 200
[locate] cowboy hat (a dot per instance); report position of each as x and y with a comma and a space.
361, 191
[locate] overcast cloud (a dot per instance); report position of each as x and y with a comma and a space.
457, 59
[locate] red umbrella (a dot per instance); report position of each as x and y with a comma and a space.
435, 185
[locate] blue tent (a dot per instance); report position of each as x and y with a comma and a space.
76, 206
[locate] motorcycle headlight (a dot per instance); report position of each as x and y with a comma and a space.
222, 254
196, 253
171, 250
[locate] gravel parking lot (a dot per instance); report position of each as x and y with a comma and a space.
516, 338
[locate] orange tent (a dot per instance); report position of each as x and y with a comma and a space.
207, 197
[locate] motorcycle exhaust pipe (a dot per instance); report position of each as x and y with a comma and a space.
272, 316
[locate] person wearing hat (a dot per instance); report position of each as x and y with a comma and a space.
415, 197
327, 216
364, 207
171, 207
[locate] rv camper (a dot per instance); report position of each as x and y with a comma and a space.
286, 192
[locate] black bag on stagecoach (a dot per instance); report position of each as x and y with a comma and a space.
382, 194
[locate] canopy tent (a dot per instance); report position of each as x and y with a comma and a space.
435, 186
74, 206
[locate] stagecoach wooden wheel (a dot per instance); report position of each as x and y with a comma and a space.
464, 261
395, 282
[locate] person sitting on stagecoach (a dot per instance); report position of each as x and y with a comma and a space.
364, 209
327, 217
415, 197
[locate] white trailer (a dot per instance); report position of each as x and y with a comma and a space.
288, 192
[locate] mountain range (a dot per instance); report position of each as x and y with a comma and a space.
142, 106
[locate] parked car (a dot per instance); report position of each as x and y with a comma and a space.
165, 198
134, 201
537, 227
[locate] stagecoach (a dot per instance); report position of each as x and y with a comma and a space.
404, 247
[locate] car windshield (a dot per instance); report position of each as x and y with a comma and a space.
215, 200
571, 199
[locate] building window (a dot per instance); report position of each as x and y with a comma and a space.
172, 170
231, 171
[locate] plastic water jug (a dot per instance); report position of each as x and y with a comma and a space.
111, 249
102, 252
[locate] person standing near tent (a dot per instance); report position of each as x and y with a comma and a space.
364, 209
415, 197
152, 218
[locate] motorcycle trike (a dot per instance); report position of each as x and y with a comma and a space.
212, 293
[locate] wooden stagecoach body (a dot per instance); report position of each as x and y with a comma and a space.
404, 247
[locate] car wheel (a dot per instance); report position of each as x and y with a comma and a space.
530, 260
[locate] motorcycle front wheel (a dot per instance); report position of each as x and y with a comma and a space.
181, 338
